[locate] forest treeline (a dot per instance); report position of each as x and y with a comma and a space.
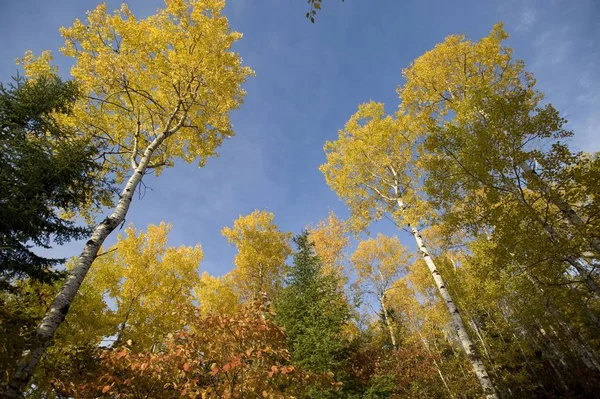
500, 299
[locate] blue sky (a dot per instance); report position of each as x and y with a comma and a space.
310, 79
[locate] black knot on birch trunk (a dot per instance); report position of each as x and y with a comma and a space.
110, 222
64, 309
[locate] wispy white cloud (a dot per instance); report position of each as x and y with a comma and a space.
528, 17
551, 47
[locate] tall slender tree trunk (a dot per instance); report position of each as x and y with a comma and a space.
59, 308
387, 320
436, 364
457, 322
574, 339
480, 337
565, 208
548, 354
589, 280
570, 259
549, 343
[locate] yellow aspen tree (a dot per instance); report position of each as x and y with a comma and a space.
148, 286
483, 122
261, 253
216, 295
378, 263
422, 317
330, 239
155, 90
372, 167
148, 281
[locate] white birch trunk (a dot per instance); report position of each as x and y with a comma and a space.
564, 207
589, 280
480, 337
388, 322
556, 353
59, 308
547, 353
463, 335
574, 339
573, 261
435, 363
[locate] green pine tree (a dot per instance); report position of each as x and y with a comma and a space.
313, 310
44, 168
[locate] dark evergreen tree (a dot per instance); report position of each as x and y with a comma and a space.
313, 310
44, 169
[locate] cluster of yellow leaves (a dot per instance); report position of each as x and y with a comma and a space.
38, 67
415, 301
136, 292
216, 294
453, 77
480, 115
330, 239
136, 288
369, 166
172, 72
148, 281
379, 262
261, 253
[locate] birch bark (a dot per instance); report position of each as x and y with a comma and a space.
435, 363
565, 208
463, 335
571, 260
387, 320
455, 317
59, 308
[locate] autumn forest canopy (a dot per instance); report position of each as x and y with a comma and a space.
490, 287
